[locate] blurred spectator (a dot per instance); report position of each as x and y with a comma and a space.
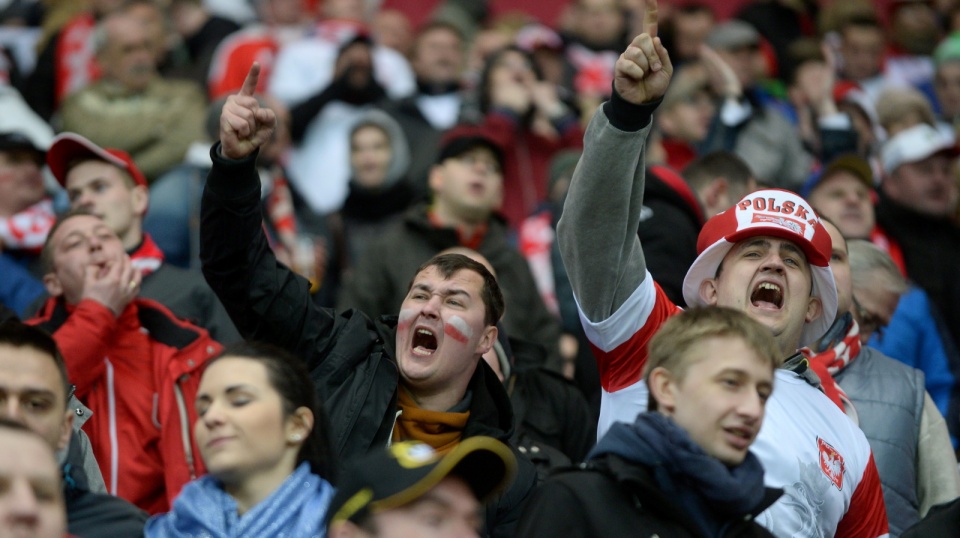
946, 81
132, 361
300, 238
918, 199
319, 165
844, 193
914, 31
411, 490
595, 40
546, 47
862, 43
31, 502
898, 319
899, 109
855, 103
33, 380
391, 28
527, 117
675, 209
467, 187
781, 23
686, 30
307, 66
200, 33
749, 122
379, 192
269, 459
67, 62
438, 59
810, 75
108, 184
684, 117
281, 22
168, 113
26, 209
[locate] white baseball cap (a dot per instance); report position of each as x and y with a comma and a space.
777, 213
916, 144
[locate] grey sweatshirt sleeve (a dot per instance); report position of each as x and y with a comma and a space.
597, 232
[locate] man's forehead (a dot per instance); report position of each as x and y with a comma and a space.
91, 169
462, 279
768, 241
27, 358
80, 224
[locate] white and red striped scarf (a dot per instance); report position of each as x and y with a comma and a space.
28, 229
834, 352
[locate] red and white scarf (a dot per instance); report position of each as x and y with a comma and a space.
147, 257
832, 353
28, 229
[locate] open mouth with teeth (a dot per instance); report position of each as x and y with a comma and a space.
424, 342
767, 294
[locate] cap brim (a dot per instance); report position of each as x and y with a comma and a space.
68, 148
824, 287
486, 465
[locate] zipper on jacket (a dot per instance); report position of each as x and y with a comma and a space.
184, 427
395, 418
114, 441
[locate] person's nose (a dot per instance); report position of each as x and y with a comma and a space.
213, 415
431, 308
773, 262
24, 510
751, 407
10, 409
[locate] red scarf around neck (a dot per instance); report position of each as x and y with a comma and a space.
832, 353
147, 257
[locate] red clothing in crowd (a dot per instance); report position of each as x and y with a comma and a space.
139, 374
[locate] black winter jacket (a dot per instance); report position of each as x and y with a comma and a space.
611, 496
351, 358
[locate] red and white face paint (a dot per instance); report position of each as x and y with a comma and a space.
441, 331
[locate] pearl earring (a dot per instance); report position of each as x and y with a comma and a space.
295, 437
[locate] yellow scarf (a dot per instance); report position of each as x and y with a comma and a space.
440, 429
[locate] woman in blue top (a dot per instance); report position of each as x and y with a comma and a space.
264, 440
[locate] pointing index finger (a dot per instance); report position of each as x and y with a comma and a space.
250, 83
650, 18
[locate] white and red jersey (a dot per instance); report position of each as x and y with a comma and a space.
808, 447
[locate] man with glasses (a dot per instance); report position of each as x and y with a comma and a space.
887, 399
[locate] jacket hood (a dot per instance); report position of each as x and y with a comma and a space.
399, 148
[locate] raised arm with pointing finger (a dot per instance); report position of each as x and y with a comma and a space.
597, 231
432, 350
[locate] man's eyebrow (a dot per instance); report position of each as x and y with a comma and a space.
446, 293
792, 248
755, 242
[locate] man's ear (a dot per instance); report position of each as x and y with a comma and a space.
139, 200
435, 177
662, 388
814, 309
487, 339
715, 194
708, 291
66, 429
52, 284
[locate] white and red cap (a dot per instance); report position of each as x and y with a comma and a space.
69, 148
776, 213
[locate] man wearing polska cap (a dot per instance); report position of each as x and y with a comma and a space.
767, 256
410, 490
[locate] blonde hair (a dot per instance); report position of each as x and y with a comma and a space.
670, 347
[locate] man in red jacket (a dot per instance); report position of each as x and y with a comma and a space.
134, 363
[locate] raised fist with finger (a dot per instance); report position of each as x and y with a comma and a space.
244, 124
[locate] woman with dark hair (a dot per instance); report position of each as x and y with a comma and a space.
264, 439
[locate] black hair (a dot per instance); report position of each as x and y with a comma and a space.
15, 333
288, 375
448, 264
